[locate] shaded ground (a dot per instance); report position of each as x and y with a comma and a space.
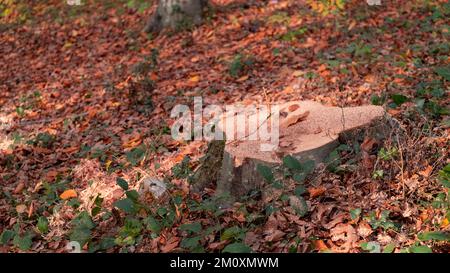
85, 98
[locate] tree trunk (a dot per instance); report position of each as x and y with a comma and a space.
176, 14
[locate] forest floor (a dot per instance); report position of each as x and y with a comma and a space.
85, 101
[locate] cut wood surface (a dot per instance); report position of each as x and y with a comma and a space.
311, 134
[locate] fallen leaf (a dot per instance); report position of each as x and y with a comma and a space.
51, 176
31, 209
171, 244
368, 144
19, 188
243, 78
315, 192
364, 229
274, 236
21, 208
320, 245
352, 25
41, 150
345, 233
71, 150
67, 194
131, 141
427, 171
194, 79
218, 245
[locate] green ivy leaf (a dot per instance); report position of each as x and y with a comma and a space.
23, 242
299, 177
80, 235
420, 249
153, 225
231, 233
122, 183
444, 72
265, 172
292, 163
399, 99
389, 248
126, 204
42, 224
83, 220
133, 195
237, 248
82, 226
355, 213
434, 235
193, 227
6, 236
190, 243
299, 190
444, 176
372, 247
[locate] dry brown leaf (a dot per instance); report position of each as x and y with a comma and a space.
243, 78
218, 245
21, 208
274, 236
171, 244
368, 144
345, 233
364, 229
51, 176
41, 150
19, 188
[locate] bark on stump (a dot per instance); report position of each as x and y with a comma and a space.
176, 14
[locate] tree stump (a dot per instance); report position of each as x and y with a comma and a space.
176, 14
312, 137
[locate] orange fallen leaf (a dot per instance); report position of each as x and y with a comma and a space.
31, 209
320, 245
71, 150
67, 194
132, 141
243, 79
314, 192
194, 79
153, 76
427, 171
352, 25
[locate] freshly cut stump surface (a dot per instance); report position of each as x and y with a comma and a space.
308, 131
